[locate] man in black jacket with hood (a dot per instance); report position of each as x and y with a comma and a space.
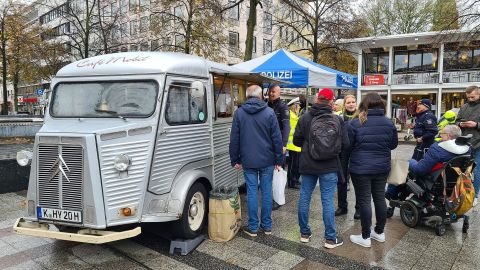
323, 171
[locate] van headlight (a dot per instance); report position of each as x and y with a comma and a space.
24, 157
122, 162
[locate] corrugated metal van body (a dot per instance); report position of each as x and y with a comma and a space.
225, 174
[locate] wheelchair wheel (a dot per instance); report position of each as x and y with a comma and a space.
406, 138
440, 229
409, 214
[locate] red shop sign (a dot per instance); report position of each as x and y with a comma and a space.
30, 100
374, 80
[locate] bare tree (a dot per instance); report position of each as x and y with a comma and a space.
388, 17
5, 12
469, 16
188, 26
319, 24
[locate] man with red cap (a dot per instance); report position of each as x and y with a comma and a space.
321, 135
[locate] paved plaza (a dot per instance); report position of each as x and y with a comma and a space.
405, 248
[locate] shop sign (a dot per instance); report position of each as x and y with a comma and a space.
30, 100
374, 80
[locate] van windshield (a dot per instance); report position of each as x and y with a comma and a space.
104, 99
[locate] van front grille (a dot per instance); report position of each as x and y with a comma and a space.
60, 176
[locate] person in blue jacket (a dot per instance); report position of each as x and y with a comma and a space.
425, 128
256, 146
372, 137
439, 152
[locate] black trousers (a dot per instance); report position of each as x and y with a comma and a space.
342, 185
420, 150
293, 174
366, 187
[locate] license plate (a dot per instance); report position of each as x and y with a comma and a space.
59, 214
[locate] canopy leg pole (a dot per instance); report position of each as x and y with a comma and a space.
306, 98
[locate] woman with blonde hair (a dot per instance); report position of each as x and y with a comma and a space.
372, 137
348, 113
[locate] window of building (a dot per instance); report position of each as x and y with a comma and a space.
254, 47
267, 46
180, 94
133, 48
144, 46
233, 40
476, 58
133, 27
144, 24
180, 42
178, 12
106, 11
234, 12
155, 45
415, 61
375, 62
133, 5
114, 8
461, 58
124, 30
123, 6
267, 22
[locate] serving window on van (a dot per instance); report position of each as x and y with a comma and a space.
186, 103
229, 95
104, 99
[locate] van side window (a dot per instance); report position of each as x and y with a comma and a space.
186, 104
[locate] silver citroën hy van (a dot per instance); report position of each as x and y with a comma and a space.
130, 138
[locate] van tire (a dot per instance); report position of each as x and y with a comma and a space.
196, 204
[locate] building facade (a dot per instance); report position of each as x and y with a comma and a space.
434, 65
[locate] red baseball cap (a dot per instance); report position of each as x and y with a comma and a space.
326, 93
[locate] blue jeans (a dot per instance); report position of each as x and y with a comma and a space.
328, 185
476, 172
251, 178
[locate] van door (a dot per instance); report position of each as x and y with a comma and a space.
184, 133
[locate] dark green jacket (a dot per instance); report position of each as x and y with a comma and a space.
471, 112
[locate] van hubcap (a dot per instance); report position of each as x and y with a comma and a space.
196, 211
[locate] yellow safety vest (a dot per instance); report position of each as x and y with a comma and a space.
293, 123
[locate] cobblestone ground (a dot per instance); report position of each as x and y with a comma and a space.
405, 248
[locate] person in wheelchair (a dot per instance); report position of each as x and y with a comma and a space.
429, 166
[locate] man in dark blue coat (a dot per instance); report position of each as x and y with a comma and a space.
256, 146
425, 128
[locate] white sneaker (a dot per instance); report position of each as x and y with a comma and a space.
377, 237
358, 239
475, 202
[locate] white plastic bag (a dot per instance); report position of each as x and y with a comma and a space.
278, 186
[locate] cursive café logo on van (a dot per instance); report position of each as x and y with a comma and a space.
112, 60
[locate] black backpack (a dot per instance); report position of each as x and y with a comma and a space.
325, 138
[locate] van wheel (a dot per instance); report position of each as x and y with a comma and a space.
194, 215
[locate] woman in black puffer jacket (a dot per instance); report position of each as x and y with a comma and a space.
372, 137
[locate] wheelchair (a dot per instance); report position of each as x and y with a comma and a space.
422, 199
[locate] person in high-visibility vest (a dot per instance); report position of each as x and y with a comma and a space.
448, 118
293, 158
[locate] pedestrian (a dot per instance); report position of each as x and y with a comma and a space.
424, 132
283, 117
372, 137
338, 106
425, 128
411, 107
320, 164
256, 146
468, 119
349, 109
293, 175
